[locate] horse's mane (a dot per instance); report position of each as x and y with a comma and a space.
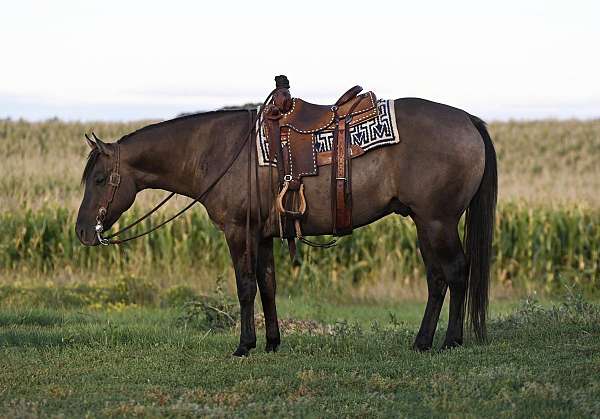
180, 119
93, 156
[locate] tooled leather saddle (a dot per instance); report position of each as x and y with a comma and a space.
291, 128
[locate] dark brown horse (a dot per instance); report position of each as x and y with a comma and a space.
444, 165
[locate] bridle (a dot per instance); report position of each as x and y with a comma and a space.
114, 180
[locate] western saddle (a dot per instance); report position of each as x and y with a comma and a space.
291, 127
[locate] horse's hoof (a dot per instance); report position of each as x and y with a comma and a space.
271, 346
241, 352
421, 347
422, 344
450, 345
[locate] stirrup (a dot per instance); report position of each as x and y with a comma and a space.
281, 196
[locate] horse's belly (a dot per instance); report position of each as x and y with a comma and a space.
374, 190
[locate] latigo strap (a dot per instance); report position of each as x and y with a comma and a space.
341, 192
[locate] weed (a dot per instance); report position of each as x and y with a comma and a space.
217, 311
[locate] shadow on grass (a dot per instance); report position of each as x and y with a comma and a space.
32, 317
529, 323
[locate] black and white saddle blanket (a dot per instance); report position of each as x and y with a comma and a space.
377, 132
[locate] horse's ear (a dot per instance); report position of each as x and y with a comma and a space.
102, 146
90, 142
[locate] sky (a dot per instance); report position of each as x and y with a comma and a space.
123, 60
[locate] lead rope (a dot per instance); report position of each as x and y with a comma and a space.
258, 204
106, 240
160, 204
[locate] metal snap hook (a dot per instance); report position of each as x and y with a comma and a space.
99, 228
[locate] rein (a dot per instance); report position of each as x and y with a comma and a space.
115, 179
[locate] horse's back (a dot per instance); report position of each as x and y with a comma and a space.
436, 166
436, 124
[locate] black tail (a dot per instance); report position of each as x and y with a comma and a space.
479, 233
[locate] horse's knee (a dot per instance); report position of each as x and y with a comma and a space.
246, 292
267, 288
246, 298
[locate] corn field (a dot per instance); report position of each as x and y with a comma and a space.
533, 247
547, 230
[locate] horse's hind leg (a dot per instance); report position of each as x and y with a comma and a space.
267, 287
447, 250
436, 288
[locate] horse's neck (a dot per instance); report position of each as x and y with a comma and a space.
183, 158
161, 161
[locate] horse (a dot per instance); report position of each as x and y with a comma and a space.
443, 167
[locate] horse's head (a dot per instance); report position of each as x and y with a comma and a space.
109, 190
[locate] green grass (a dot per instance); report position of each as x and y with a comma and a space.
542, 360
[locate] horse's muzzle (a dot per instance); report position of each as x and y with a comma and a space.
86, 236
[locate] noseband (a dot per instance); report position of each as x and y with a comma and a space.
114, 180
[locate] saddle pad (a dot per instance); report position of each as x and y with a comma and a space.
365, 136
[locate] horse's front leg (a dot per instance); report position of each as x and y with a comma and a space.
246, 286
267, 287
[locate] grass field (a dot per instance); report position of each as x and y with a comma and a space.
542, 361
543, 163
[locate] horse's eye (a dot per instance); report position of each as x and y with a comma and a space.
100, 179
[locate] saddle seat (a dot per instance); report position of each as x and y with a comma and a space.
309, 118
304, 120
